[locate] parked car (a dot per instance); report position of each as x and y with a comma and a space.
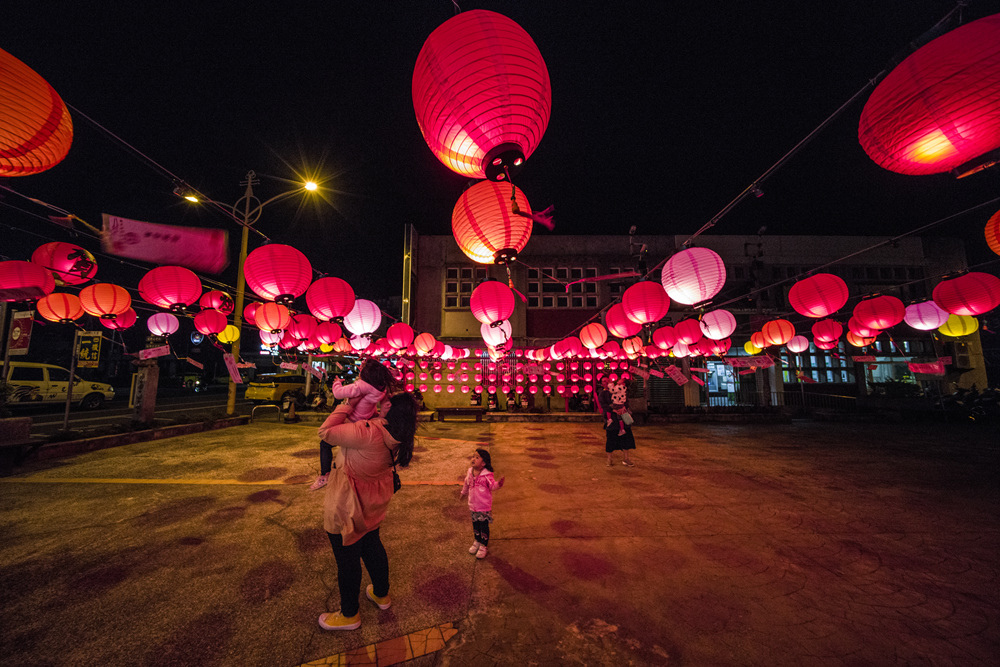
37, 384
275, 388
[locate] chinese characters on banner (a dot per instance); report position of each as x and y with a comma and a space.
675, 374
20, 332
89, 353
234, 371
198, 249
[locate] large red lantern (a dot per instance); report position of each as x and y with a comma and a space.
172, 287
250, 312
593, 335
24, 281
972, 293
220, 301
925, 316
399, 335
827, 330
859, 328
120, 321
277, 272
60, 307
364, 318
618, 324
424, 343
993, 232
664, 337
481, 94
302, 327
826, 344
688, 331
818, 295
162, 324
105, 300
35, 127
778, 332
492, 301
939, 109
327, 333
718, 324
329, 298
485, 225
693, 275
210, 322
272, 317
880, 312
645, 302
70, 264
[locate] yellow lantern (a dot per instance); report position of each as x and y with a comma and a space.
751, 348
959, 325
230, 334
326, 348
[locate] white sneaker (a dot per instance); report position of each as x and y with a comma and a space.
319, 483
474, 548
481, 553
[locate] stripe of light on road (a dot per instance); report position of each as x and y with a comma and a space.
191, 482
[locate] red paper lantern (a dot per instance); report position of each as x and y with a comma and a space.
172, 287
121, 321
492, 301
329, 298
250, 313
400, 335
105, 300
758, 340
60, 307
302, 327
481, 94
632, 346
485, 225
880, 312
693, 275
342, 345
645, 302
327, 333
720, 347
220, 301
365, 317
664, 337
35, 127
618, 324
819, 295
277, 272
424, 343
825, 344
993, 232
972, 293
925, 316
778, 332
859, 341
939, 109
859, 328
24, 281
593, 335
70, 264
688, 331
162, 324
210, 322
718, 324
827, 330
272, 317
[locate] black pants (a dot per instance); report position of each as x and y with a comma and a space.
325, 457
368, 549
481, 529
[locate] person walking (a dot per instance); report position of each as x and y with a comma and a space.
357, 496
480, 485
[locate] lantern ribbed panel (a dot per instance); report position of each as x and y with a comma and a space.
859, 328
218, 300
797, 344
757, 338
480, 82
827, 330
632, 345
688, 331
399, 335
210, 322
858, 340
483, 223
618, 324
681, 350
330, 297
60, 307
270, 337
880, 312
645, 302
121, 321
718, 324
826, 344
364, 318
593, 335
250, 313
492, 301
721, 347
162, 324
959, 325
973, 293
230, 334
925, 316
664, 337
424, 343
819, 295
35, 127
170, 287
327, 333
277, 272
993, 232
272, 317
105, 300
693, 275
22, 281
302, 327
778, 332
497, 335
939, 108
70, 264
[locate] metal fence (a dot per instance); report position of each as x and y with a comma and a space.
785, 399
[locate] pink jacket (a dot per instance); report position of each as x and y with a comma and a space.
362, 397
480, 489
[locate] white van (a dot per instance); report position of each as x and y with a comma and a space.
44, 383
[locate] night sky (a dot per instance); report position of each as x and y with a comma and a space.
662, 114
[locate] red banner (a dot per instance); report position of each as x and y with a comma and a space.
932, 368
198, 249
676, 374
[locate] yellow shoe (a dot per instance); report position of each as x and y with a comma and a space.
336, 621
382, 603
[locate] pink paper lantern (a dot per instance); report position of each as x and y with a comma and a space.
618, 324
120, 321
688, 331
859, 328
797, 344
818, 295
24, 281
925, 316
492, 301
972, 293
277, 272
645, 302
328, 333
364, 318
693, 275
329, 298
827, 330
162, 324
302, 327
495, 335
718, 324
171, 287
664, 337
210, 322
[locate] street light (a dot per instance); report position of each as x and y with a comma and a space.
246, 211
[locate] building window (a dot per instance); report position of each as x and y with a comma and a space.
547, 287
459, 283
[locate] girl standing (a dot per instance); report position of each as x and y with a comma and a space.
480, 485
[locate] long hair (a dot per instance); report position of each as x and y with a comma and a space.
485, 456
401, 423
377, 375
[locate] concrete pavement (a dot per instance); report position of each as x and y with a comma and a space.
785, 544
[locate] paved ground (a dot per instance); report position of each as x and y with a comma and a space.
799, 544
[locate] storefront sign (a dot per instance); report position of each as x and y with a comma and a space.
89, 352
20, 332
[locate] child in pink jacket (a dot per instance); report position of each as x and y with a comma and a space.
480, 485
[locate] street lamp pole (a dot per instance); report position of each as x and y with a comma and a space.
240, 287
